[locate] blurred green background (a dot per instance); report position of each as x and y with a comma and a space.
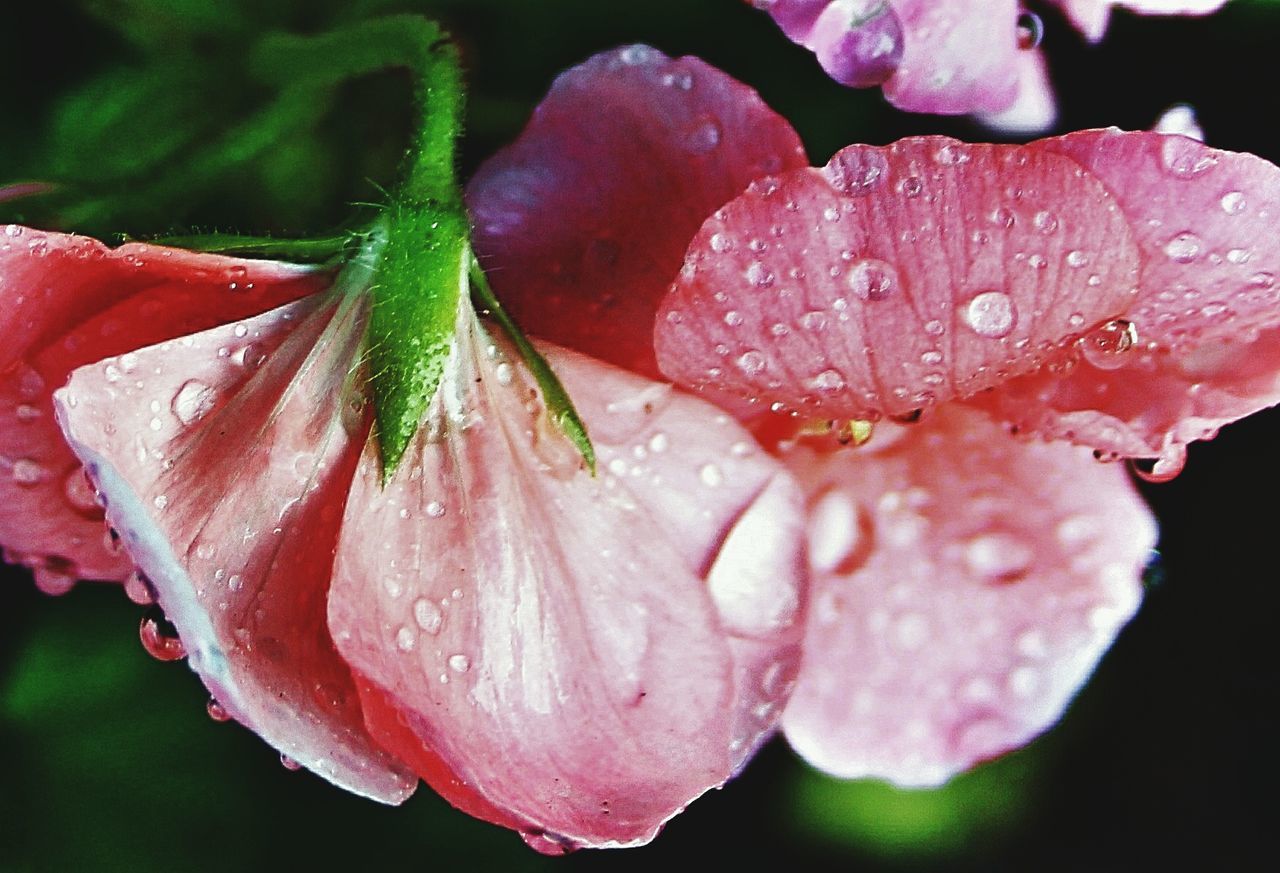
156, 118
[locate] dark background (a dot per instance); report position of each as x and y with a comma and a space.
107, 759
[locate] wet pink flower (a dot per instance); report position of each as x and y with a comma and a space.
573, 656
578, 657
949, 56
1107, 289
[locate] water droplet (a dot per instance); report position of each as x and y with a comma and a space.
28, 473
872, 279
137, 588
758, 275
160, 501
703, 137
80, 493
428, 616
752, 362
1233, 203
991, 314
711, 475
216, 711
1185, 158
1002, 217
934, 328
857, 170
659, 442
289, 764
951, 154
1165, 468
828, 381
459, 663
1077, 258
159, 637
435, 509
998, 557
1030, 30
1183, 248
721, 243
1045, 222
911, 187
192, 402
406, 639
1105, 347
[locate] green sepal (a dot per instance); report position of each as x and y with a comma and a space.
420, 282
554, 397
308, 251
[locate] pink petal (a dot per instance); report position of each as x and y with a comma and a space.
225, 459
960, 56
581, 223
895, 278
1033, 109
859, 43
1207, 317
1090, 16
965, 586
575, 657
70, 300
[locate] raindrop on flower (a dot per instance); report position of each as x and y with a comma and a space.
216, 711
1106, 347
991, 314
159, 637
1183, 248
1030, 30
872, 279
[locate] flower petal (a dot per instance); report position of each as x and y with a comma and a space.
960, 56
896, 277
1091, 16
1034, 109
577, 657
225, 459
859, 43
1207, 319
580, 224
68, 301
965, 585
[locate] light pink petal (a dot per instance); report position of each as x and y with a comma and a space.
965, 586
574, 657
960, 56
1034, 109
895, 278
1180, 118
1091, 16
68, 301
580, 224
1207, 319
225, 459
859, 43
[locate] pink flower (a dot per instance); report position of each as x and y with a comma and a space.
578, 658
951, 57
573, 656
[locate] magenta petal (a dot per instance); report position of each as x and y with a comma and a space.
70, 300
225, 460
580, 224
895, 278
965, 586
583, 655
1208, 315
961, 56
859, 43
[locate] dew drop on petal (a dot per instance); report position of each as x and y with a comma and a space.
711, 475
216, 711
1185, 158
1165, 468
428, 616
998, 557
991, 314
406, 639
27, 473
137, 588
872, 279
288, 763
159, 637
1106, 347
1183, 248
1232, 203
459, 663
1030, 30
751, 362
192, 402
